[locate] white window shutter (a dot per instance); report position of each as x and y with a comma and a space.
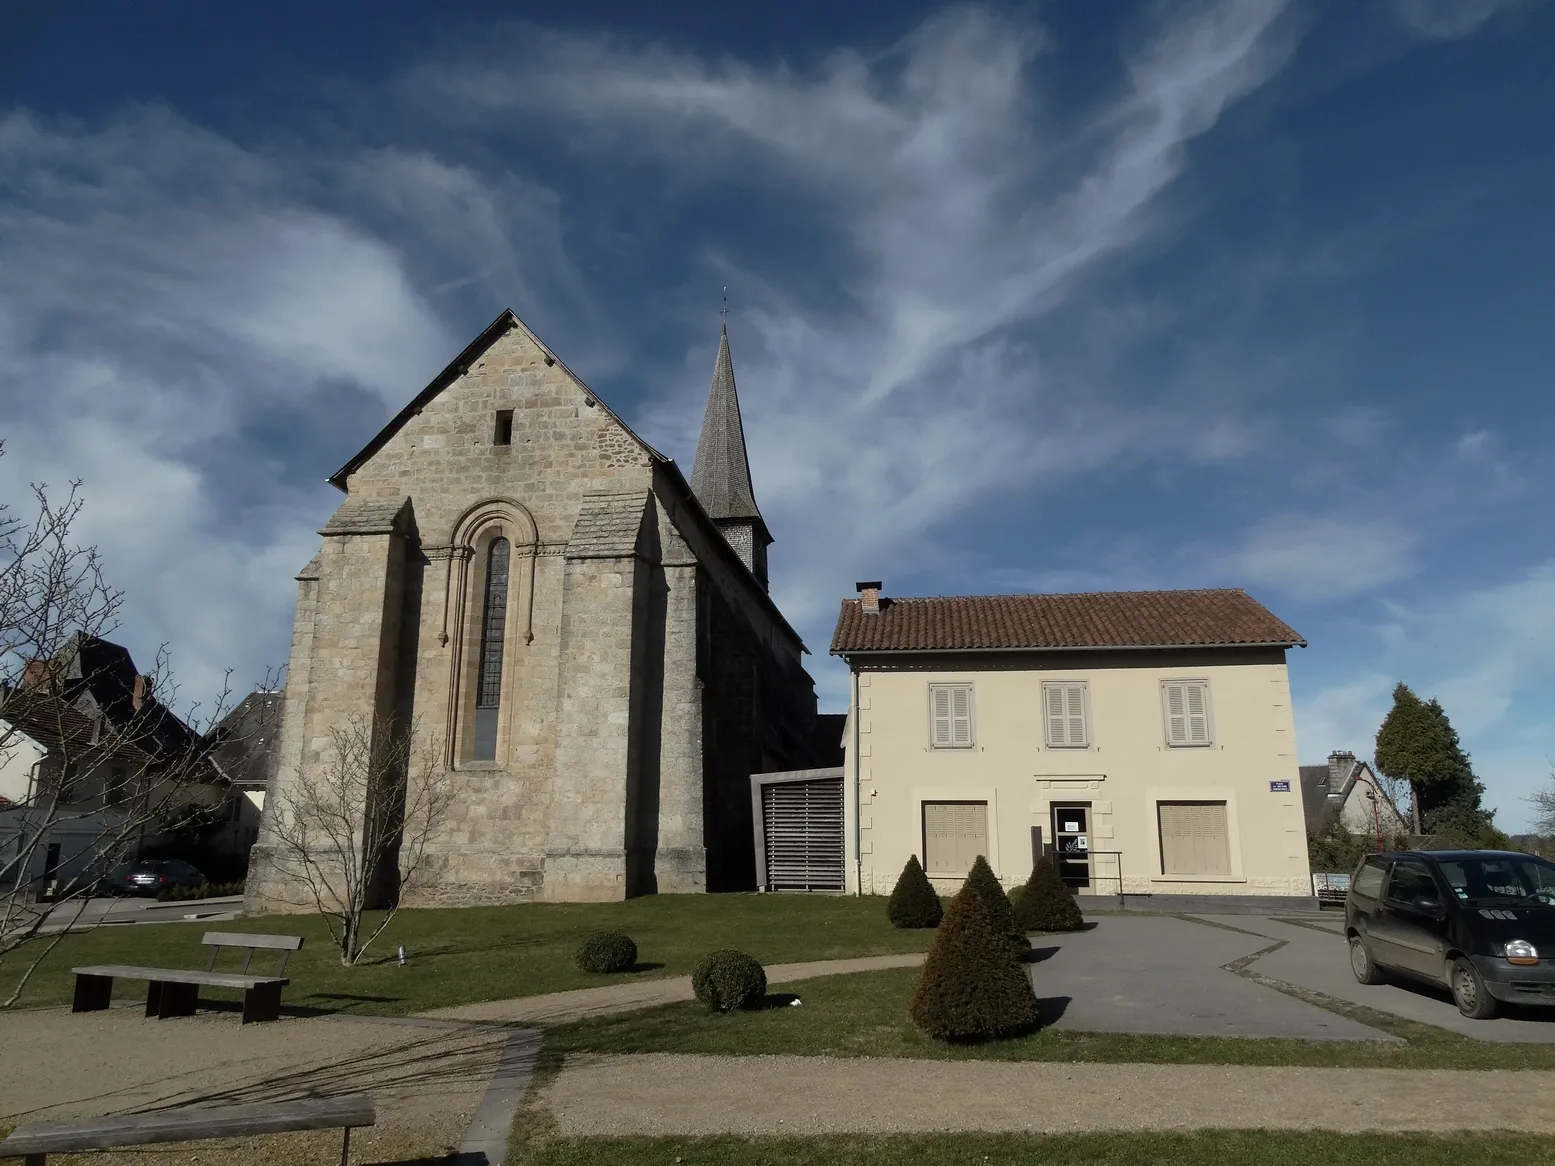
941, 717
1056, 728
961, 715
1176, 714
1074, 697
1198, 714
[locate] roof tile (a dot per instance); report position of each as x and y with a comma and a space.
1108, 619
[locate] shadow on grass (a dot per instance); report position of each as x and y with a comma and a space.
640, 966
776, 1000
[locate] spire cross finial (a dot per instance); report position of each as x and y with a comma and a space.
724, 311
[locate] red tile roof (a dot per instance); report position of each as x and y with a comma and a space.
1107, 619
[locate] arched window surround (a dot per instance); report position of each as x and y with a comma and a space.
470, 545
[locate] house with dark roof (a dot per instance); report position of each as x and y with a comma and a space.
1141, 740
1347, 789
92, 766
583, 635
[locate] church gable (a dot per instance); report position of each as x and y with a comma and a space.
506, 419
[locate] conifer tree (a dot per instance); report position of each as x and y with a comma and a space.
914, 902
1046, 902
972, 988
985, 884
1417, 743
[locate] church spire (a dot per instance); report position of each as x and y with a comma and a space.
720, 475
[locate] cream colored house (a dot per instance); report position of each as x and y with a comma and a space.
1143, 739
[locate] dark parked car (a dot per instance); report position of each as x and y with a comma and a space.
1475, 921
154, 877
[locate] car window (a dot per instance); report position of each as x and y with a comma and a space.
1411, 881
1480, 882
1368, 880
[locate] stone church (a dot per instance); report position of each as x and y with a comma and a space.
587, 635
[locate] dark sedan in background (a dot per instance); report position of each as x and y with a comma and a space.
154, 877
1479, 922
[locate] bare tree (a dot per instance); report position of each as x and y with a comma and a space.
74, 777
351, 832
1543, 802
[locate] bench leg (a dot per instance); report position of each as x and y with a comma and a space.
345, 1149
35, 1160
93, 993
262, 1002
168, 999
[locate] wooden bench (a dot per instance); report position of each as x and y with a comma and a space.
34, 1143
175, 992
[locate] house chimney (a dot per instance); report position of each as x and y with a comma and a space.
36, 674
869, 597
1339, 766
142, 692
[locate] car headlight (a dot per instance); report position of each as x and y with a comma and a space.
1520, 951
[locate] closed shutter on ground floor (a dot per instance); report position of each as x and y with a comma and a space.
1194, 840
802, 833
954, 834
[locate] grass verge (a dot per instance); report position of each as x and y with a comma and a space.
466, 955
865, 1015
1206, 1148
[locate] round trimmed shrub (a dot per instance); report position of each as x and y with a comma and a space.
607, 951
727, 979
972, 987
913, 901
1046, 903
981, 881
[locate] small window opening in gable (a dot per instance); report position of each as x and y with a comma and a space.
504, 430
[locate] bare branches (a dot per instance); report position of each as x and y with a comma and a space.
352, 830
1543, 802
92, 763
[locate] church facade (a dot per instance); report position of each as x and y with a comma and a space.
585, 635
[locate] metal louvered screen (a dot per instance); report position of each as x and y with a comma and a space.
802, 823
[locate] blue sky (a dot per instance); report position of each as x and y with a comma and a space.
1022, 297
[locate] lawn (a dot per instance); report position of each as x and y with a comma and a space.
865, 1015
489, 953
1207, 1148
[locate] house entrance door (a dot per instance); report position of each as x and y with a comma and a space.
1072, 844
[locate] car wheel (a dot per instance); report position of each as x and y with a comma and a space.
1468, 991
1361, 963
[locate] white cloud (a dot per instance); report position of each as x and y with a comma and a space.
1318, 558
162, 291
1447, 19
1487, 654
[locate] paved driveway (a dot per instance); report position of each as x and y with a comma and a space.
1317, 959
1157, 974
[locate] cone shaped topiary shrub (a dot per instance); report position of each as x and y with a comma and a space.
607, 951
982, 881
727, 979
972, 988
913, 902
1045, 903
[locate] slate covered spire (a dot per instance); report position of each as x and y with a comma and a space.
721, 476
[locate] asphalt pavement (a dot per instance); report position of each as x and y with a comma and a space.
1315, 957
1162, 975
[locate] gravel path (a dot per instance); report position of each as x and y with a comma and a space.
427, 1079
695, 1095
559, 1007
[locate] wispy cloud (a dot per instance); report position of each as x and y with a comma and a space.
1319, 558
960, 209
1447, 19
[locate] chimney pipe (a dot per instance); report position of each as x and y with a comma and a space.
869, 597
142, 692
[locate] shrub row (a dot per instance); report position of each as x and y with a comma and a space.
725, 980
